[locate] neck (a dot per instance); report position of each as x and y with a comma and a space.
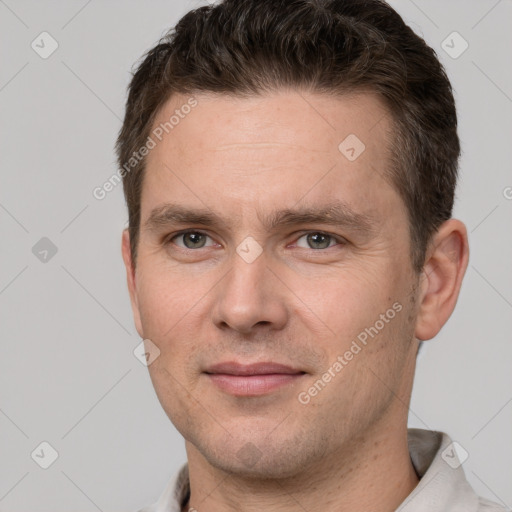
373, 473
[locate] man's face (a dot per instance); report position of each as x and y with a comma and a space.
297, 291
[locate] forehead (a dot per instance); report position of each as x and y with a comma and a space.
315, 121
241, 153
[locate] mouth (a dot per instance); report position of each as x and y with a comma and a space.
252, 379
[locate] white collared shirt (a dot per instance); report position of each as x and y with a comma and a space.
442, 487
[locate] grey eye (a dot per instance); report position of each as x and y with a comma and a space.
192, 240
317, 241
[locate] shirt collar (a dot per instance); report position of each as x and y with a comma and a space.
443, 485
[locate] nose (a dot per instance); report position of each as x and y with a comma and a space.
250, 298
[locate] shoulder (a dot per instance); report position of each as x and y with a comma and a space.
490, 506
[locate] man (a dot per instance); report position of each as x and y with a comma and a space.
289, 168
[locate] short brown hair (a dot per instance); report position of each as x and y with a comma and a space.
249, 47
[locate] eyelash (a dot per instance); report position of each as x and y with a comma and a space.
338, 239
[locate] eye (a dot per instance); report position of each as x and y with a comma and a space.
318, 240
315, 240
190, 239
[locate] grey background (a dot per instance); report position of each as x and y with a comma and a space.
68, 374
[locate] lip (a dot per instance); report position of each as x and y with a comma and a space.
252, 379
263, 368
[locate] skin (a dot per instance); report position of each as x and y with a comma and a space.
299, 303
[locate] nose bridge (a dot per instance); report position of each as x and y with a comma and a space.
247, 295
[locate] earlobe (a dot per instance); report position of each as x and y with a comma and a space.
131, 280
444, 269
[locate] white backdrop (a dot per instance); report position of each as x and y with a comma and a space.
68, 374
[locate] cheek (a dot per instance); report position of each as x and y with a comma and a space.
364, 365
160, 309
176, 394
362, 316
166, 297
171, 305
344, 299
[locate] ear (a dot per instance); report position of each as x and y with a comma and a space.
445, 266
131, 279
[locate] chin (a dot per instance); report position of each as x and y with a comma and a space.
252, 457
267, 468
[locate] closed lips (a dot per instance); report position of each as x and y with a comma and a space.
252, 380
265, 368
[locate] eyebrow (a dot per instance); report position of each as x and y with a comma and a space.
334, 214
